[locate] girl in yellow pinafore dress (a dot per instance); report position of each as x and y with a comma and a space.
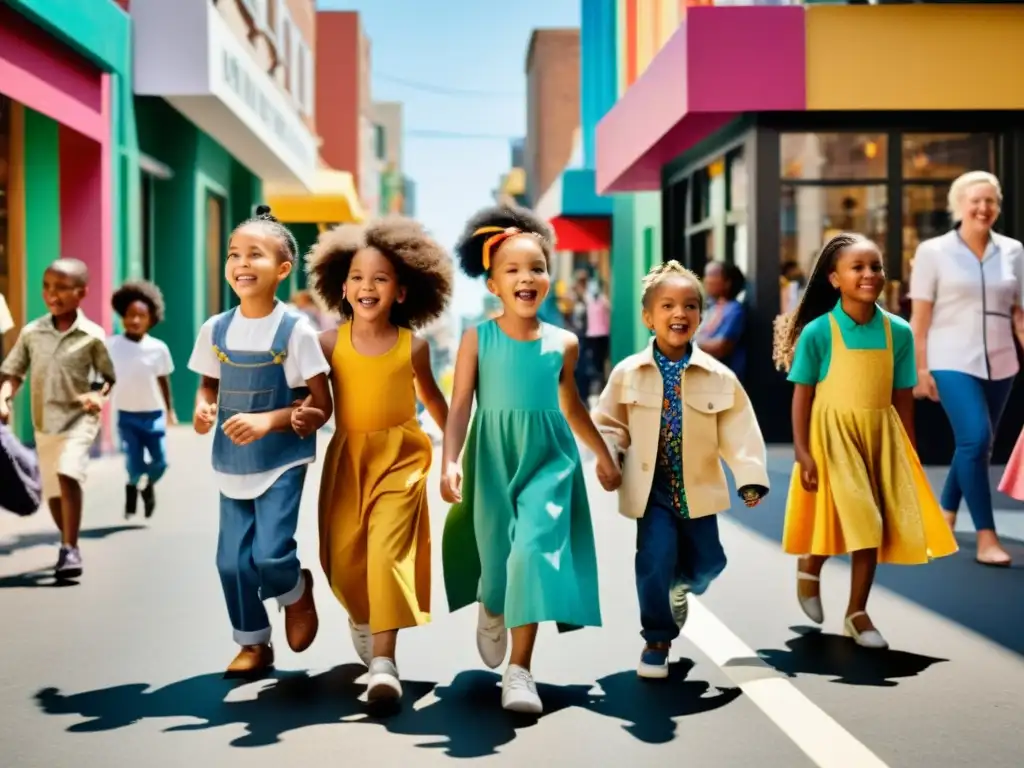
385, 277
858, 486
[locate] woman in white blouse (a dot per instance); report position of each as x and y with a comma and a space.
966, 288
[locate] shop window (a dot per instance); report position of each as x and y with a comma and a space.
215, 255
738, 182
833, 156
946, 155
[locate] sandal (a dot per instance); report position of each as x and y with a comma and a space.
811, 606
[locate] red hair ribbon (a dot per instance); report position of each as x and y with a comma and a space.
501, 234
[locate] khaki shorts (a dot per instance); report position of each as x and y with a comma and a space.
64, 454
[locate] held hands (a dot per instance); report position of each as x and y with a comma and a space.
608, 472
451, 483
306, 421
808, 472
204, 418
91, 402
245, 428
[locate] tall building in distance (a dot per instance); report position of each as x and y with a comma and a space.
395, 186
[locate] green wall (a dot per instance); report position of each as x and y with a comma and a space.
200, 167
636, 247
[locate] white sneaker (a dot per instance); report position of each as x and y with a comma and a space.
519, 692
491, 638
383, 684
69, 563
362, 640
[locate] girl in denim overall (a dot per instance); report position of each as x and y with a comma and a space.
257, 361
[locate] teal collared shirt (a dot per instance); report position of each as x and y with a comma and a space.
814, 347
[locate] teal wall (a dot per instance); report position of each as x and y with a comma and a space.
636, 247
200, 166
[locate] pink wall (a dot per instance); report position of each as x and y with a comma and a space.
721, 62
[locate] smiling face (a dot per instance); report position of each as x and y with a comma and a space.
858, 273
672, 311
137, 319
255, 265
519, 275
62, 292
372, 286
979, 206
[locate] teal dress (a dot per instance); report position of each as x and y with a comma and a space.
521, 541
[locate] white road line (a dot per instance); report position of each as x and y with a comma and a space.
820, 737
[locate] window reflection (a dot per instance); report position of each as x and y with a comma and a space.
811, 215
810, 156
925, 215
5, 149
946, 155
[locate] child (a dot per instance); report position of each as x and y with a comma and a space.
255, 361
143, 365
386, 278
858, 486
519, 539
65, 352
672, 480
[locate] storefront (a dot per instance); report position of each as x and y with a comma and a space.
214, 128
766, 160
67, 141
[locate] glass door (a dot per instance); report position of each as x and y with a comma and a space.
215, 254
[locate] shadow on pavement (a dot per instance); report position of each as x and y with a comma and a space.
812, 652
45, 538
982, 599
465, 718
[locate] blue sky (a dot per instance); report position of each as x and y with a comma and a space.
473, 45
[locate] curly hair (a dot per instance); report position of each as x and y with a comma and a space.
139, 290
660, 273
289, 246
424, 268
470, 247
819, 297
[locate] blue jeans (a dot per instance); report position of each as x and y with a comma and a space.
257, 556
143, 432
670, 548
974, 407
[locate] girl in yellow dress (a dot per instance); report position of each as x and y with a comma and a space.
858, 486
386, 278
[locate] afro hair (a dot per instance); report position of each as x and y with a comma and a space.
423, 267
139, 290
470, 248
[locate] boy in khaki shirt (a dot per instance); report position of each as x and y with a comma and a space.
675, 413
65, 352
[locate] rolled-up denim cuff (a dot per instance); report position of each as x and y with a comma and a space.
294, 594
256, 637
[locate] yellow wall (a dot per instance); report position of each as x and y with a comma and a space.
651, 23
915, 57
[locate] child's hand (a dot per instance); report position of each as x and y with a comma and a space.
204, 418
245, 428
751, 496
172, 419
808, 472
91, 402
608, 473
451, 483
306, 421
5, 411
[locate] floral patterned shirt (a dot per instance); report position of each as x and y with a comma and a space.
669, 470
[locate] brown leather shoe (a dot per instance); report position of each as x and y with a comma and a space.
300, 619
252, 661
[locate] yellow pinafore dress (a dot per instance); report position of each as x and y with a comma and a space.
872, 490
374, 523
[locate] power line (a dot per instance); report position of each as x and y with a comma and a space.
431, 134
444, 90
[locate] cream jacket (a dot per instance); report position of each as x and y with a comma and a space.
718, 423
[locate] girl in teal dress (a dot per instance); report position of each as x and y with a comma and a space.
518, 539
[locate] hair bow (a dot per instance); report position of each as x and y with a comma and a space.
501, 234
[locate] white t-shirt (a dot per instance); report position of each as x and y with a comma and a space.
305, 360
138, 366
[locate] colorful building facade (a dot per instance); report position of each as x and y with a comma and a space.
761, 143
225, 107
67, 147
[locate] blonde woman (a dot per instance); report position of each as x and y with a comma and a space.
965, 291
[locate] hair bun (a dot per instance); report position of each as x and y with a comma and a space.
263, 212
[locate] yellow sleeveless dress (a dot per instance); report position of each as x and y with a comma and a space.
872, 490
374, 523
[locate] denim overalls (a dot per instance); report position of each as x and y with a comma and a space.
256, 552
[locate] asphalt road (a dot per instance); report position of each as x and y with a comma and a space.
124, 668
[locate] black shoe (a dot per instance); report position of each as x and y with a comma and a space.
131, 495
149, 499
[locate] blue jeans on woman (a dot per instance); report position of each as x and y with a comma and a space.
974, 407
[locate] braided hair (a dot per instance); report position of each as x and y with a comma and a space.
818, 298
263, 216
470, 246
